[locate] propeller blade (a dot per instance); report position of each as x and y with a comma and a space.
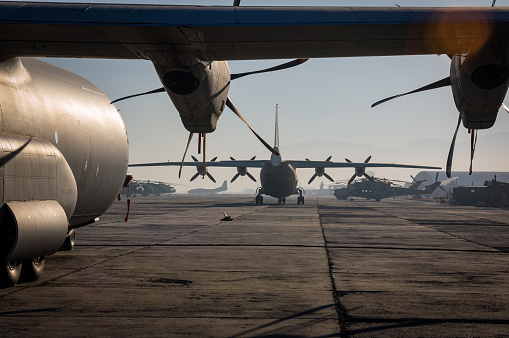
210, 176
235, 177
236, 3
328, 177
185, 152
307, 159
285, 65
436, 177
204, 169
230, 105
253, 158
441, 187
413, 178
367, 160
159, 90
505, 107
348, 160
369, 177
194, 158
214, 159
250, 176
351, 179
194, 177
451, 150
312, 178
438, 84
231, 158
328, 158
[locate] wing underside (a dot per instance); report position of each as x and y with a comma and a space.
236, 33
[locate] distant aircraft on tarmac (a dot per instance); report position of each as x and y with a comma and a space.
378, 189
278, 177
202, 191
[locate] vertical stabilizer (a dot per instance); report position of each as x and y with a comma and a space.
276, 136
276, 159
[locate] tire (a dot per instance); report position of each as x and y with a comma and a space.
69, 241
10, 273
32, 269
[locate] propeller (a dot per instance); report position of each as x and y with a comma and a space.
201, 170
359, 171
320, 172
436, 180
282, 66
473, 140
229, 103
242, 171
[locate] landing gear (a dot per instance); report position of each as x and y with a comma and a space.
69, 241
281, 200
32, 269
300, 198
10, 273
259, 197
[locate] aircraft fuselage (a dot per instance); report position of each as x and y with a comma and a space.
278, 181
58, 112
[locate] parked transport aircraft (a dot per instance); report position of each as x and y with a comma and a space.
277, 176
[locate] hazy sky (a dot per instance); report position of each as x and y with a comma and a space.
323, 99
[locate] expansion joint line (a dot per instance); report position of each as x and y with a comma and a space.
340, 309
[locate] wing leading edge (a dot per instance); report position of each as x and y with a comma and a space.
236, 33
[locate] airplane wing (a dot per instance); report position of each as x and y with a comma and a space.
236, 33
295, 164
226, 164
330, 164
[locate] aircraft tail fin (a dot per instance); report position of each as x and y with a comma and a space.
430, 188
276, 136
224, 186
416, 184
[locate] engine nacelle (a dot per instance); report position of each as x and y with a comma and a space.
479, 85
32, 229
199, 92
38, 197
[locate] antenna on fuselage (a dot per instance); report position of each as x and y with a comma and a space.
276, 136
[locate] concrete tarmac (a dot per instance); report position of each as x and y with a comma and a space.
323, 269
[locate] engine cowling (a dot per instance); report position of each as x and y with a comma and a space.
479, 85
38, 197
199, 92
